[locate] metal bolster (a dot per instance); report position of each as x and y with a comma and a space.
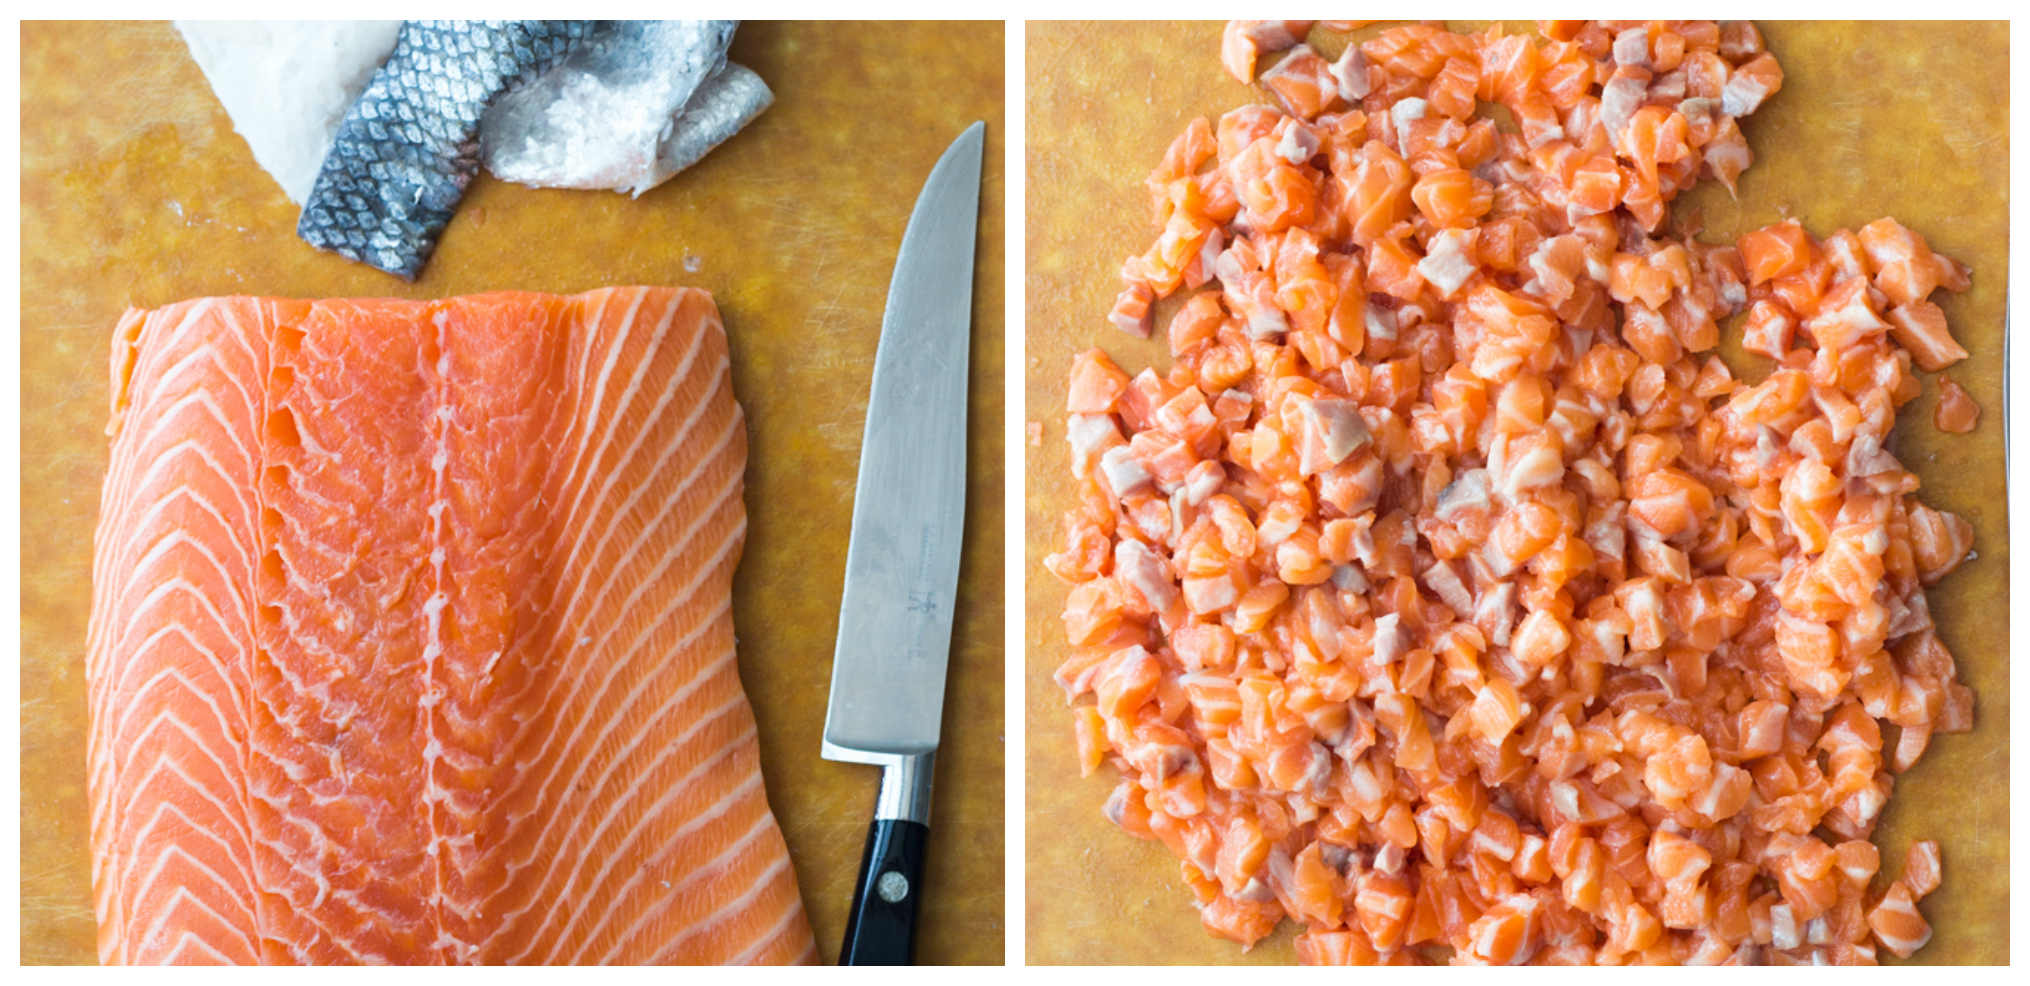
905, 789
905, 781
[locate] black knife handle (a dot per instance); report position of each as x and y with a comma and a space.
882, 927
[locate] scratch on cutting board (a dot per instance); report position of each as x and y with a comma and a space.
1975, 838
968, 900
1964, 134
62, 907
1081, 891
784, 205
821, 315
65, 326
1063, 51
27, 723
840, 435
58, 306
57, 870
1848, 122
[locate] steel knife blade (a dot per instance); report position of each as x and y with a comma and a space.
902, 563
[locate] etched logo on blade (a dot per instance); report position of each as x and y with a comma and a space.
923, 601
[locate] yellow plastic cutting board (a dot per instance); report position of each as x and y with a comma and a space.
1903, 120
136, 191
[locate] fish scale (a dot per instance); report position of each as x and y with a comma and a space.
409, 146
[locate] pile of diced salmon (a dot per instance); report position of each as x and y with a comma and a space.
1448, 592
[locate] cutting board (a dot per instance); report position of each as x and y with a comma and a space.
1874, 120
138, 192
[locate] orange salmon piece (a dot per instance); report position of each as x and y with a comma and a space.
1956, 412
1452, 198
1303, 83
1776, 251
1379, 197
1245, 41
1096, 383
1919, 327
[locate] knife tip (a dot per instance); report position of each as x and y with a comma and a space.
968, 147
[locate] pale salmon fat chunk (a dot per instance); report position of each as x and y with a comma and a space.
411, 639
1447, 592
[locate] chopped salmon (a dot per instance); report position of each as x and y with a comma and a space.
1776, 251
1096, 383
1919, 326
1449, 592
1303, 82
1246, 41
1956, 411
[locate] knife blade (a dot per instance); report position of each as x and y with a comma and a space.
902, 562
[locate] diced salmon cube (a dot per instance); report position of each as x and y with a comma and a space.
1919, 326
1956, 412
1776, 251
1096, 383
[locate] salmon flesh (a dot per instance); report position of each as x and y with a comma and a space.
412, 639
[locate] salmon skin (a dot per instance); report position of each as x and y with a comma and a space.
411, 639
409, 146
638, 102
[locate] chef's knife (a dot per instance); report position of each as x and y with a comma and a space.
902, 565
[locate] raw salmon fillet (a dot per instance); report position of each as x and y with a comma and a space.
412, 639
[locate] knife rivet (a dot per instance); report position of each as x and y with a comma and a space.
892, 887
